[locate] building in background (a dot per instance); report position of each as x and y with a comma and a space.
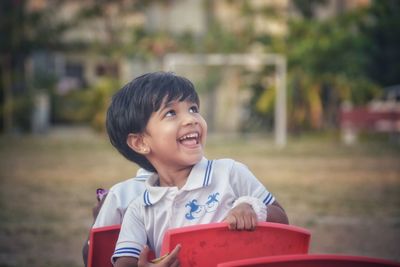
128, 38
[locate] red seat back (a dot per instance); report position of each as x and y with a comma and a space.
311, 260
102, 245
102, 242
210, 244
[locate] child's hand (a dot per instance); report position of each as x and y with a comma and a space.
241, 217
169, 261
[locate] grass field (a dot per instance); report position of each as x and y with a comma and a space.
348, 197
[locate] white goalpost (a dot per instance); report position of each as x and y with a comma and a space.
172, 61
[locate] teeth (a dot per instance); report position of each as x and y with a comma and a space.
191, 135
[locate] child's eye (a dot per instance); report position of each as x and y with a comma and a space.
170, 113
194, 109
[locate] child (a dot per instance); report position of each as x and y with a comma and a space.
112, 204
118, 198
155, 122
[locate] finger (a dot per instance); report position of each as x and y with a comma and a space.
249, 219
231, 220
254, 222
248, 225
176, 250
173, 256
239, 222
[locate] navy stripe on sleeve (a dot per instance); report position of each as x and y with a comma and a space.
132, 251
268, 199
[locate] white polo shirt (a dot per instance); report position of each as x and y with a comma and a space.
118, 198
207, 196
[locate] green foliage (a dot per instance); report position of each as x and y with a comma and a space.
262, 102
327, 65
382, 29
266, 101
307, 7
87, 106
211, 80
329, 47
219, 40
72, 107
44, 81
348, 57
100, 98
22, 110
24, 31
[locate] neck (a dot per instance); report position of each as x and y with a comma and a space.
172, 178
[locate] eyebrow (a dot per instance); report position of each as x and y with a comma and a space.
171, 103
164, 107
167, 105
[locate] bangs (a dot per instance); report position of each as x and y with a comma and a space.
175, 89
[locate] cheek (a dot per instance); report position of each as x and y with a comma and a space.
166, 138
162, 135
205, 130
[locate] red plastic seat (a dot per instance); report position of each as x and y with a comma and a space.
210, 244
101, 245
311, 260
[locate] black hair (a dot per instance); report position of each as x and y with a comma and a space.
132, 106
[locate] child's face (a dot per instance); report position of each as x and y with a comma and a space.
176, 135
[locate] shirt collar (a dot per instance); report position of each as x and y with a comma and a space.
200, 176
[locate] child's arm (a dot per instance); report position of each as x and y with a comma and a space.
169, 261
275, 213
126, 262
250, 190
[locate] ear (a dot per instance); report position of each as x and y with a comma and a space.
136, 142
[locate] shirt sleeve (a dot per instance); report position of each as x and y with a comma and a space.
110, 212
132, 236
244, 183
118, 199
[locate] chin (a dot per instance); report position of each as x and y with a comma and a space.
193, 160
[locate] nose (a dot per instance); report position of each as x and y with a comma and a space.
189, 119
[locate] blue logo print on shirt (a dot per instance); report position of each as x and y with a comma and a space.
196, 210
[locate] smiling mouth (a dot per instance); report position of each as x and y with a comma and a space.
190, 139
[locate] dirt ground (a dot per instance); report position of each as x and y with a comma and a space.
347, 197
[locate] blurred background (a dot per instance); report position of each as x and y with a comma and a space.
305, 92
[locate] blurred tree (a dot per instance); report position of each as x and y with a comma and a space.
382, 29
346, 57
107, 19
258, 28
23, 29
327, 63
87, 106
217, 37
115, 40
30, 26
307, 7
